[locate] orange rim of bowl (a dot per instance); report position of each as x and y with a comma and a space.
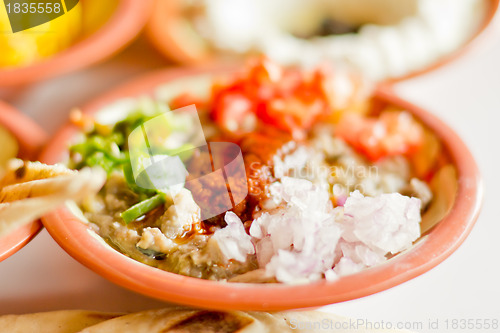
31, 139
74, 236
123, 26
161, 34
161, 31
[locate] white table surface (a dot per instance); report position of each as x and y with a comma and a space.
466, 94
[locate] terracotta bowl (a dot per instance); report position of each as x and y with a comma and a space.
125, 23
30, 138
88, 248
164, 33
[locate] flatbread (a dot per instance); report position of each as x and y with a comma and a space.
69, 321
173, 320
18, 171
28, 194
184, 320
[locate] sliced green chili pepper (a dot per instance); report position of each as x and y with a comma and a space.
142, 208
129, 178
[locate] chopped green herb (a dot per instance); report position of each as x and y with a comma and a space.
107, 146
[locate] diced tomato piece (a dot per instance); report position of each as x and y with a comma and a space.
393, 133
290, 114
233, 110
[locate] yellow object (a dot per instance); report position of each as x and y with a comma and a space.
28, 46
96, 13
9, 146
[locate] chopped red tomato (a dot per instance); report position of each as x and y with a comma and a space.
288, 99
289, 114
235, 111
392, 133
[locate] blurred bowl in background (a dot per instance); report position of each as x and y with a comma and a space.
387, 40
30, 139
94, 30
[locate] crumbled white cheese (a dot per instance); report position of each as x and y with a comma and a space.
179, 217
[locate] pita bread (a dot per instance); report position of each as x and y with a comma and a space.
26, 195
177, 320
183, 320
18, 171
70, 321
